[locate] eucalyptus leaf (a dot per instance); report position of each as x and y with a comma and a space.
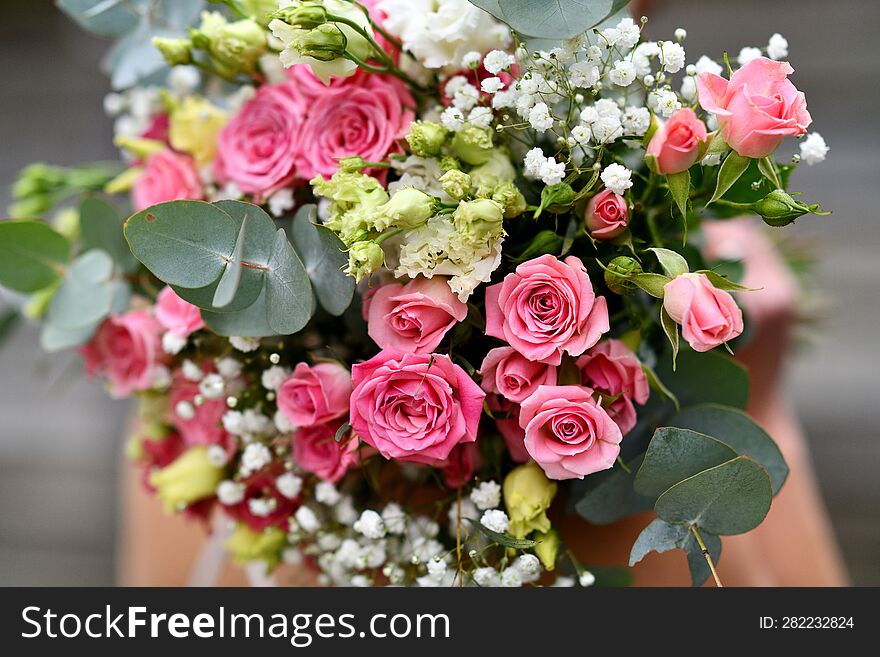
322, 255
101, 225
103, 17
675, 454
740, 432
85, 295
53, 338
32, 255
660, 537
289, 298
614, 497
732, 168
250, 322
231, 277
731, 498
551, 19
708, 377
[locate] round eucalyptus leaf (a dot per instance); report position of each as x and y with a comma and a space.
701, 378
660, 536
323, 257
53, 338
250, 322
32, 255
85, 295
289, 298
101, 226
104, 17
551, 19
731, 498
614, 497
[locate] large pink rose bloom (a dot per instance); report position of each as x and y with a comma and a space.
676, 143
365, 120
316, 450
757, 108
257, 148
126, 350
168, 176
315, 394
547, 307
415, 407
613, 369
513, 376
708, 316
177, 316
567, 433
414, 317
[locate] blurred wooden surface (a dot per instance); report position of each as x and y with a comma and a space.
60, 437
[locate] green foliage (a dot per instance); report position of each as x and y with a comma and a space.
32, 255
680, 188
673, 263
732, 168
504, 540
705, 378
614, 497
551, 19
101, 226
660, 536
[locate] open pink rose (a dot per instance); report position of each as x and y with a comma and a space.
513, 376
757, 108
607, 215
365, 120
126, 350
257, 148
316, 450
168, 176
676, 144
708, 316
567, 433
414, 317
178, 317
415, 407
198, 424
613, 369
547, 307
315, 394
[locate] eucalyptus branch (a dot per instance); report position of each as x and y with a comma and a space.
706, 554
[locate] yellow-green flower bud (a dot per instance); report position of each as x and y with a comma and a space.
447, 163
233, 47
527, 496
38, 303
408, 208
260, 10
67, 223
306, 17
510, 198
779, 209
480, 219
496, 170
426, 138
177, 52
325, 43
472, 145
354, 164
456, 183
556, 199
363, 259
618, 273
246, 545
547, 548
189, 478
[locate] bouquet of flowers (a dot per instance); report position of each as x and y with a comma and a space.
407, 282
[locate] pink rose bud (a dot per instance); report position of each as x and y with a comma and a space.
567, 433
513, 376
316, 450
607, 215
676, 144
546, 307
177, 316
168, 176
414, 317
757, 108
708, 316
613, 369
315, 394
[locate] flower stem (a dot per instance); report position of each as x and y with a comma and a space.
706, 554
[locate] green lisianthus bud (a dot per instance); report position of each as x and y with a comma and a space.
426, 138
354, 164
325, 43
233, 47
556, 199
447, 163
779, 209
547, 548
246, 545
618, 273
527, 496
472, 145
67, 223
259, 10
177, 52
189, 478
494, 171
510, 198
456, 183
306, 17
408, 208
479, 220
363, 259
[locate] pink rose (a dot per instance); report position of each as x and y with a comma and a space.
708, 316
168, 176
177, 316
257, 149
607, 215
198, 424
364, 120
415, 407
676, 144
513, 376
568, 433
546, 307
757, 108
613, 369
507, 422
316, 450
314, 394
126, 350
413, 317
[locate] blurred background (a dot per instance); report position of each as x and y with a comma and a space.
61, 437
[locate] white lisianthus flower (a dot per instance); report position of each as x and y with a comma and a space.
777, 47
617, 178
813, 149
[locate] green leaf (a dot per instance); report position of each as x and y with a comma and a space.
614, 497
740, 432
101, 225
673, 263
231, 277
184, 243
674, 455
250, 322
722, 282
732, 168
680, 188
289, 298
546, 241
104, 17
53, 338
504, 540
343, 429
32, 255
551, 19
85, 294
651, 283
660, 536
658, 385
705, 378
768, 169
731, 498
8, 321
322, 255
670, 328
